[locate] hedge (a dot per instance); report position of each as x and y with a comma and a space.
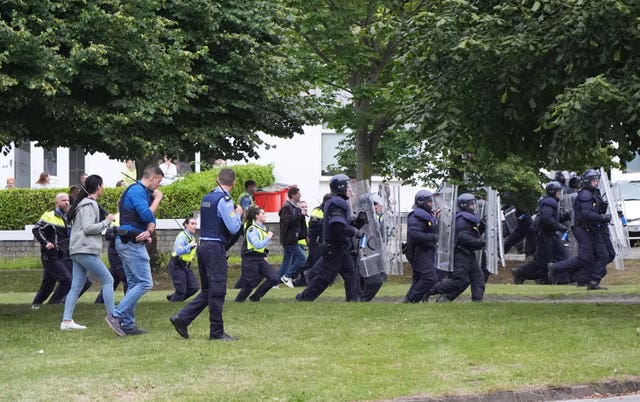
20, 207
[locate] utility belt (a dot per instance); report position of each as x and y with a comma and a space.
593, 228
127, 236
253, 253
180, 262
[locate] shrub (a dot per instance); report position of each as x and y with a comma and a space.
22, 207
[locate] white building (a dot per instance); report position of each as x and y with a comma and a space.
298, 161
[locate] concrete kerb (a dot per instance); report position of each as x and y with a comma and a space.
595, 391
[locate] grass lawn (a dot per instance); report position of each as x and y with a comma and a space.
327, 350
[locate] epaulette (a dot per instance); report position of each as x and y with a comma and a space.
227, 198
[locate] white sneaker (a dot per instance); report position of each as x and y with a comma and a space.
36, 306
287, 281
71, 326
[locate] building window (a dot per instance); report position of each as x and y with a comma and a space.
330, 141
51, 161
23, 165
76, 165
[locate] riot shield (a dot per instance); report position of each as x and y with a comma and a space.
619, 237
566, 206
445, 201
392, 228
510, 218
490, 215
371, 259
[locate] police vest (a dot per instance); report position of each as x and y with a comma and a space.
262, 234
187, 257
211, 225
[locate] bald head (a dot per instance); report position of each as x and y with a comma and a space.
62, 202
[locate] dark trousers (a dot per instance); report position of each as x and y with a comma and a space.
54, 270
466, 271
590, 263
184, 280
549, 248
212, 266
117, 272
424, 275
254, 269
336, 259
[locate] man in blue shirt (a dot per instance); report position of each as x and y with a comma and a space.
138, 205
219, 221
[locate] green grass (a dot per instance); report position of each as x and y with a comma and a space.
327, 350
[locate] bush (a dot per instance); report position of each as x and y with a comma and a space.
22, 207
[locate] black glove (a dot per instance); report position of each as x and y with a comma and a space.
361, 234
360, 220
604, 207
606, 218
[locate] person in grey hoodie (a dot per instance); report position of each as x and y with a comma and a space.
85, 247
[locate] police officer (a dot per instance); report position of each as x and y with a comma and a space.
549, 231
591, 222
219, 220
184, 251
255, 266
466, 270
368, 287
422, 237
53, 235
314, 236
338, 230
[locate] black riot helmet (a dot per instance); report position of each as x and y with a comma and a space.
339, 184
589, 175
552, 188
422, 198
560, 178
575, 182
466, 202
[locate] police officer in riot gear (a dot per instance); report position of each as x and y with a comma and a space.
422, 237
338, 230
591, 222
549, 230
466, 270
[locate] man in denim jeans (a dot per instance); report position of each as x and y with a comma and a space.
138, 205
293, 227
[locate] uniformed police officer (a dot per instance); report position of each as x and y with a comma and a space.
219, 220
338, 231
422, 237
549, 230
184, 251
466, 270
591, 222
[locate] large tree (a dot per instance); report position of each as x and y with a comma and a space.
347, 48
136, 78
549, 83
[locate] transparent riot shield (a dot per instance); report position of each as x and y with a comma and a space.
371, 260
490, 215
619, 237
392, 229
510, 218
566, 205
445, 201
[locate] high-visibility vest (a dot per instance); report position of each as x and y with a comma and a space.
187, 257
262, 234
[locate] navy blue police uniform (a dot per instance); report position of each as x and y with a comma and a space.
218, 223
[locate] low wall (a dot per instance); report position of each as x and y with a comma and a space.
21, 243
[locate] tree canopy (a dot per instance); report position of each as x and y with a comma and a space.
140, 77
552, 83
